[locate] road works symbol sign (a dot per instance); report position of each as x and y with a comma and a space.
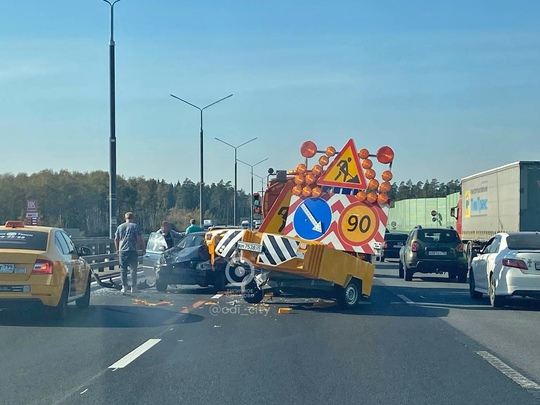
276, 218
345, 170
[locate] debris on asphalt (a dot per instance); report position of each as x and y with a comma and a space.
161, 303
284, 310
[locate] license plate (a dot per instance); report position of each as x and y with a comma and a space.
252, 247
14, 288
537, 265
436, 253
7, 268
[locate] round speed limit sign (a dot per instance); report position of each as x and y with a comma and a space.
358, 223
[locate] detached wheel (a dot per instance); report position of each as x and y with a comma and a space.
349, 296
401, 270
161, 285
475, 295
60, 311
84, 302
494, 300
252, 293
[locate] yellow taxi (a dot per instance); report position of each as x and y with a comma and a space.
41, 265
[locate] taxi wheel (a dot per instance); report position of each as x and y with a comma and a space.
61, 309
84, 302
496, 301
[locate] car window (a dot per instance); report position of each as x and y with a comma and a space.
494, 246
156, 242
191, 241
61, 243
23, 239
435, 235
524, 241
487, 246
395, 237
71, 245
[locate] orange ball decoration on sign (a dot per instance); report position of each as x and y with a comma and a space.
330, 151
361, 196
363, 153
372, 197
367, 164
387, 175
370, 174
323, 160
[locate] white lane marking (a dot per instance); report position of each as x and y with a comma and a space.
84, 391
128, 358
509, 371
217, 296
408, 301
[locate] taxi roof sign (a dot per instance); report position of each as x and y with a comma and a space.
14, 224
345, 170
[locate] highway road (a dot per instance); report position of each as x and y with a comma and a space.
421, 342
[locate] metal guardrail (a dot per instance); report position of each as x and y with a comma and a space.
103, 250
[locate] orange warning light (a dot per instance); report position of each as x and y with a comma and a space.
385, 187
385, 154
306, 191
330, 151
310, 178
361, 196
301, 168
363, 153
373, 184
299, 179
323, 160
316, 192
367, 164
297, 190
370, 174
316, 170
387, 175
308, 149
382, 198
372, 197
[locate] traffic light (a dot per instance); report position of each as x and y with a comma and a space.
434, 215
256, 203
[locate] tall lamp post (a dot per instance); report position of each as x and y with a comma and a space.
235, 173
251, 167
112, 137
262, 181
201, 186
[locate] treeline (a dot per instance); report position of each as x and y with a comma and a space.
81, 200
427, 189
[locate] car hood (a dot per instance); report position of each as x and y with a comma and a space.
181, 255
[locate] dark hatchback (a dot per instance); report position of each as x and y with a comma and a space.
187, 263
393, 242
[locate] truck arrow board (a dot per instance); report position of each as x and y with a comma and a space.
317, 227
312, 220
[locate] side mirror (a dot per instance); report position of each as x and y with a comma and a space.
85, 251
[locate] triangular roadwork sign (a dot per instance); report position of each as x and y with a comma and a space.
276, 217
345, 170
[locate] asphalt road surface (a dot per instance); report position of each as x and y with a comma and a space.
420, 342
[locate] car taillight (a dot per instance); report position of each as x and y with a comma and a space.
518, 264
43, 267
460, 247
385, 245
414, 247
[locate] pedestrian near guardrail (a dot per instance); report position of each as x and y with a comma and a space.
127, 238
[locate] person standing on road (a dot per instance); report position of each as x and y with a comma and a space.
169, 234
127, 238
192, 227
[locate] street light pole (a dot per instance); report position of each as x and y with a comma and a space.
252, 166
112, 137
235, 202
201, 185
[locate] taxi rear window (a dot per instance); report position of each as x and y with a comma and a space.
24, 240
524, 241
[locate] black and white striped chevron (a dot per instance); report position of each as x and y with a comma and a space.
227, 245
278, 249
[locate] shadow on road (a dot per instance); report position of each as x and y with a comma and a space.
102, 316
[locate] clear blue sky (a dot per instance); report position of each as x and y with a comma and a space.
452, 86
